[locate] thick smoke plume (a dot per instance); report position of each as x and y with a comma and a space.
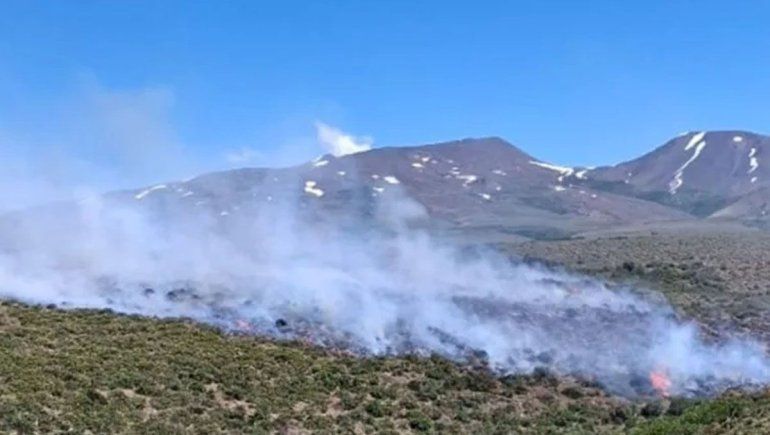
384, 288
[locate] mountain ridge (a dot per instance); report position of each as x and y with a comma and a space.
697, 172
489, 186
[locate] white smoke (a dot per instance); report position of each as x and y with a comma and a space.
374, 290
339, 143
94, 139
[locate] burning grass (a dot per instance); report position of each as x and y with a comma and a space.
97, 371
604, 342
388, 289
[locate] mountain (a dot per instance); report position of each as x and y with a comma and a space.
484, 188
698, 172
751, 208
485, 185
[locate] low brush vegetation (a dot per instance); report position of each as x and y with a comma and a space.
720, 280
733, 413
79, 371
84, 371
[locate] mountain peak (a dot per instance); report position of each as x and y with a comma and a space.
726, 136
698, 171
493, 146
476, 142
489, 182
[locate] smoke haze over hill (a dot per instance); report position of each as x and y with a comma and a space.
376, 287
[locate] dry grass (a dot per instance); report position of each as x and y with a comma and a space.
81, 371
722, 280
106, 373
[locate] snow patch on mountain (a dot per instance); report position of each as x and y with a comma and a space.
467, 179
141, 195
310, 188
753, 162
694, 140
564, 171
697, 142
391, 179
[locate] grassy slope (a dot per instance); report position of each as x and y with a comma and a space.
85, 370
722, 280
95, 371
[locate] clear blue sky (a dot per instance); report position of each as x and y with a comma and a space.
572, 82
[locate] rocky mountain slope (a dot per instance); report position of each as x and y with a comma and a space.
489, 188
474, 184
698, 172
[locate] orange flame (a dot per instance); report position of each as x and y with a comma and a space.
243, 325
660, 382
